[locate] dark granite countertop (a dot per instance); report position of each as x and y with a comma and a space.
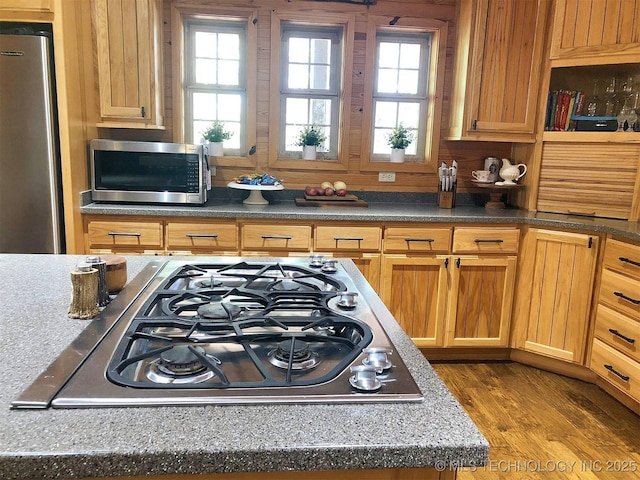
54, 444
389, 207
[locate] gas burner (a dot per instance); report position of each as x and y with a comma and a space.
207, 282
287, 285
219, 310
179, 365
303, 357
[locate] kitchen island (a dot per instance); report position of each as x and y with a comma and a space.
111, 442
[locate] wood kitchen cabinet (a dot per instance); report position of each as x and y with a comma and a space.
128, 41
554, 294
449, 300
132, 236
615, 354
495, 97
275, 240
201, 238
605, 31
414, 280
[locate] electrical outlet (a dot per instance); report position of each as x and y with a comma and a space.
212, 169
387, 177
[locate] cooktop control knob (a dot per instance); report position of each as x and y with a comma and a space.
347, 300
377, 357
365, 378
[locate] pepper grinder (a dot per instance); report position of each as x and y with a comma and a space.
103, 292
84, 300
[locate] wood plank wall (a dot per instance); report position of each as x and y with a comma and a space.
470, 155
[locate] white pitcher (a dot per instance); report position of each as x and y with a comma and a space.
511, 173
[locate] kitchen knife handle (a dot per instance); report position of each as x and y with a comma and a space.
618, 334
276, 237
615, 372
429, 240
201, 235
622, 295
627, 260
357, 239
488, 240
125, 234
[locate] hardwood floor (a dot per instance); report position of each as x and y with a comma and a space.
544, 426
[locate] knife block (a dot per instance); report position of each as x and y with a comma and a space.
447, 199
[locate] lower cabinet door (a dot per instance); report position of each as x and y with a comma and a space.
414, 289
480, 301
563, 266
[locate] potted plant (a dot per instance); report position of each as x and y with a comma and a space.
215, 135
399, 139
310, 138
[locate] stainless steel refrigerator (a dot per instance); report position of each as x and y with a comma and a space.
30, 192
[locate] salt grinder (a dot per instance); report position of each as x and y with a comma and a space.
84, 299
103, 291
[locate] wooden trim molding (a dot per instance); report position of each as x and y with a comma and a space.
318, 18
181, 12
435, 88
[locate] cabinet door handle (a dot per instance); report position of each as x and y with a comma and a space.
615, 372
428, 240
277, 237
354, 239
629, 299
201, 235
488, 240
618, 334
125, 234
627, 260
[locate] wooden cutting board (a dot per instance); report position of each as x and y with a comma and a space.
333, 198
322, 202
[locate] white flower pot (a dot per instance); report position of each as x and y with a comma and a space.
309, 152
397, 155
215, 149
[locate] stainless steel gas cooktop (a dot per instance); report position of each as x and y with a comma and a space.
229, 330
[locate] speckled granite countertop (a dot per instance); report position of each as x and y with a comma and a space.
54, 444
402, 209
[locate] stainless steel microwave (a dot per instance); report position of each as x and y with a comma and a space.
148, 172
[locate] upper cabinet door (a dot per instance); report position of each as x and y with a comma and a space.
128, 34
606, 30
498, 67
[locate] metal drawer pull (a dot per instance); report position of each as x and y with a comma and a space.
626, 260
125, 234
356, 239
428, 240
615, 372
276, 237
482, 240
618, 334
201, 235
622, 295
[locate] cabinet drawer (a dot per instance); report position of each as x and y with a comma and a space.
622, 257
621, 293
619, 331
276, 237
215, 236
426, 240
485, 240
348, 238
617, 368
126, 234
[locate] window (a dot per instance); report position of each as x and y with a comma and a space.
215, 81
400, 94
310, 86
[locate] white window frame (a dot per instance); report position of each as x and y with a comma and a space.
421, 97
191, 86
333, 34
